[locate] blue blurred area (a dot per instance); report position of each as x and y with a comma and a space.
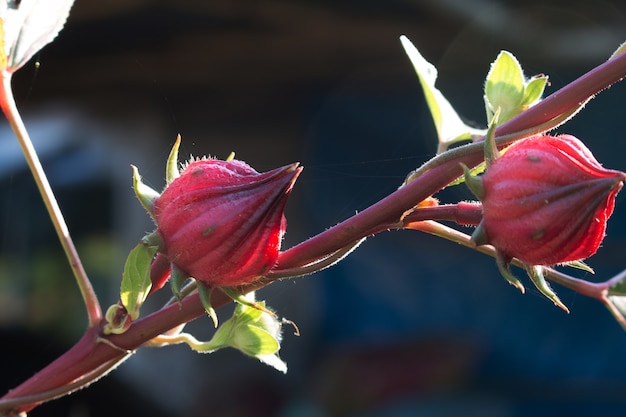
514, 355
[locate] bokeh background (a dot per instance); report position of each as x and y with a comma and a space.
408, 325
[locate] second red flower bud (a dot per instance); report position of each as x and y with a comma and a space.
546, 201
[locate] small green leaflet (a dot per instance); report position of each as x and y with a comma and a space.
450, 128
507, 88
136, 278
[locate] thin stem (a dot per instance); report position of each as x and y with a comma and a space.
444, 169
63, 390
582, 287
465, 213
88, 355
316, 266
7, 102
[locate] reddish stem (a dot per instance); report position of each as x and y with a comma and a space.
391, 208
464, 213
88, 354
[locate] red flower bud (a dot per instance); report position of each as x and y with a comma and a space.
546, 201
222, 222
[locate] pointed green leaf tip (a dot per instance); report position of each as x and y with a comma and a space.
504, 265
535, 273
205, 292
491, 149
473, 182
449, 126
171, 168
146, 195
177, 279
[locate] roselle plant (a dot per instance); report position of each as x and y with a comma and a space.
543, 202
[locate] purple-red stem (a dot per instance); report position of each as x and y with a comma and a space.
391, 207
88, 354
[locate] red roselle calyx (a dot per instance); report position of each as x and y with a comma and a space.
546, 201
221, 222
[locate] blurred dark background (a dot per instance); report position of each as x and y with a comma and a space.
408, 325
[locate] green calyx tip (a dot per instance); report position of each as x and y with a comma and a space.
205, 297
479, 237
146, 195
535, 273
153, 240
177, 279
241, 299
491, 149
503, 266
474, 183
171, 169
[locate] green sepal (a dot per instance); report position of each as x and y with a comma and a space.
504, 264
153, 239
171, 168
240, 298
580, 265
491, 149
177, 279
535, 273
479, 237
205, 297
474, 183
136, 281
146, 195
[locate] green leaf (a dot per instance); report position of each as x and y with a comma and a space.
30, 25
136, 278
448, 124
534, 90
504, 86
256, 341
